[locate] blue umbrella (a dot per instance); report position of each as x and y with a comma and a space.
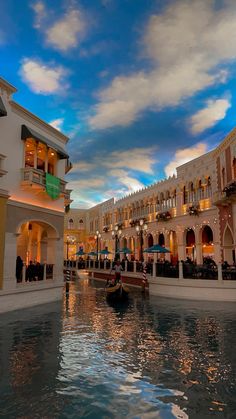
125, 250
104, 252
156, 248
80, 253
92, 253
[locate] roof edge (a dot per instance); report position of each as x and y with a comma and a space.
39, 121
9, 87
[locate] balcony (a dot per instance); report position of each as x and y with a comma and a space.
220, 198
163, 216
36, 179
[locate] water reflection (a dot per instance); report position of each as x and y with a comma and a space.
148, 358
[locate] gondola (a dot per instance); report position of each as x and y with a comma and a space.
117, 292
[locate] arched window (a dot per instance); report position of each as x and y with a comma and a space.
150, 240
191, 192
161, 240
70, 224
185, 198
234, 168
200, 190
209, 191
174, 199
223, 178
81, 224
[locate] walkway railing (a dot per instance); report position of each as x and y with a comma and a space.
36, 272
183, 270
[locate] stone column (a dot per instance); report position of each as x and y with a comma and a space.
9, 272
220, 277
199, 253
44, 271
154, 266
24, 273
135, 267
181, 276
167, 244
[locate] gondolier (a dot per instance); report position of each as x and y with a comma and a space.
118, 269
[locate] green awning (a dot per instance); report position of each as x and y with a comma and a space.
3, 111
27, 132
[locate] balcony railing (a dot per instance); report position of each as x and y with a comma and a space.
37, 178
219, 197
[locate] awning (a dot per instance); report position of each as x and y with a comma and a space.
27, 132
3, 111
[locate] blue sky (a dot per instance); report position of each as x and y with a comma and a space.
139, 86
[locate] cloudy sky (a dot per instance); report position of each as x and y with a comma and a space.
139, 86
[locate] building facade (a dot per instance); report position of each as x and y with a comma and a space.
33, 163
193, 213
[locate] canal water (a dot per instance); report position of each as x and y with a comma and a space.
149, 358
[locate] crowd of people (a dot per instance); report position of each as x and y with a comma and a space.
34, 271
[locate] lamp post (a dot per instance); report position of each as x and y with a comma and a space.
69, 240
97, 237
141, 228
116, 235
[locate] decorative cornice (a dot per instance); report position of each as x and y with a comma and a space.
7, 86
39, 122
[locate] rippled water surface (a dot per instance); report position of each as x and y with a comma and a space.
149, 358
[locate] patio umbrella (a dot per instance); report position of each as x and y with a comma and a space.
156, 248
125, 250
104, 252
80, 253
92, 253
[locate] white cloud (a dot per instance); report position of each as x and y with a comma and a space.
90, 183
64, 34
183, 156
57, 123
139, 159
82, 167
209, 116
131, 184
187, 44
40, 13
81, 201
42, 78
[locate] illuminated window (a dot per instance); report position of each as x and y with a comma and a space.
51, 161
41, 156
29, 153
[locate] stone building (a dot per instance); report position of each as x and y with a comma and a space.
33, 163
193, 213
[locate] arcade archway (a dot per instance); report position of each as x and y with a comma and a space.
190, 244
207, 242
228, 246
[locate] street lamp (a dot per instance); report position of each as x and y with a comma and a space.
97, 237
69, 240
116, 235
141, 228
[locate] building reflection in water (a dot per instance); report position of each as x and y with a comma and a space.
180, 349
29, 361
149, 356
